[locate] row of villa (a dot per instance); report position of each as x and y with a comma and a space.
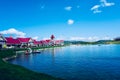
10, 42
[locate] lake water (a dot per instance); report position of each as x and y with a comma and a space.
90, 62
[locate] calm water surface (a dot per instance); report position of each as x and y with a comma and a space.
90, 62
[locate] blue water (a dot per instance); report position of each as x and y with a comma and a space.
91, 62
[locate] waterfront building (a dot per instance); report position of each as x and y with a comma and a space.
12, 43
2, 41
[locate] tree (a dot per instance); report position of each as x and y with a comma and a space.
117, 39
52, 37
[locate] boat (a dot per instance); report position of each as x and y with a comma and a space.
36, 51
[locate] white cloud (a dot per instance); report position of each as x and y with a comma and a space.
36, 37
13, 31
77, 38
103, 3
106, 38
94, 38
95, 9
68, 8
70, 21
45, 38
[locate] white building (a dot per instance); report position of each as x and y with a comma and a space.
2, 41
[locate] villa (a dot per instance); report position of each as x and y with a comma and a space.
37, 43
44, 43
59, 42
11, 42
26, 42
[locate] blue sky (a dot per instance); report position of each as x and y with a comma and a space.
66, 19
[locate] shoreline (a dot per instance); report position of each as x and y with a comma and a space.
8, 58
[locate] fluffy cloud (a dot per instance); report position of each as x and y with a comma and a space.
77, 38
107, 38
94, 38
45, 38
96, 9
36, 37
68, 8
103, 3
70, 21
13, 31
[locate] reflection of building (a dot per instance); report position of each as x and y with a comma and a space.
55, 51
2, 41
53, 55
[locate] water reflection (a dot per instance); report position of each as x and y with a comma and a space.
90, 62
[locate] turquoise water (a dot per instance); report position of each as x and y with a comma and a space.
91, 62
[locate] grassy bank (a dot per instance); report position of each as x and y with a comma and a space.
14, 72
42, 47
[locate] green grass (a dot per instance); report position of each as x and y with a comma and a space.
35, 48
14, 72
114, 42
7, 53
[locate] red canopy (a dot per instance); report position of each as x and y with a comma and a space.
10, 40
37, 42
24, 40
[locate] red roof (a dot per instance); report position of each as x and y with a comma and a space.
48, 41
58, 41
43, 42
37, 42
24, 40
10, 40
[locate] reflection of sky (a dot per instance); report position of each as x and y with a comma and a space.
91, 62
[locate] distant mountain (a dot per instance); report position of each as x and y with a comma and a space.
95, 42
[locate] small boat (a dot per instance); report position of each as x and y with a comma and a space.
36, 51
